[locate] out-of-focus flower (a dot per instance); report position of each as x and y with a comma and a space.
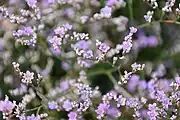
53, 105
31, 3
67, 105
106, 12
72, 116
6, 106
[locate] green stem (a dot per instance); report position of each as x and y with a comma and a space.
33, 109
130, 7
37, 113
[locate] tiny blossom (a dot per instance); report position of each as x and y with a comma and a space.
102, 109
31, 3
148, 16
27, 77
67, 26
56, 42
127, 43
88, 54
102, 46
84, 19
121, 101
106, 12
137, 67
52, 105
60, 31
72, 116
152, 113
67, 105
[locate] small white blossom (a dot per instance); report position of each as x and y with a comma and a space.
148, 16
28, 77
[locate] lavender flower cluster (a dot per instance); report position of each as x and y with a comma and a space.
79, 34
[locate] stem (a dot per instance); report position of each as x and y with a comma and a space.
38, 110
117, 87
30, 110
161, 21
130, 6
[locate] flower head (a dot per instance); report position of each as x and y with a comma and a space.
67, 105
6, 106
72, 116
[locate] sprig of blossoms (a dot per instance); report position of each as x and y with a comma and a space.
148, 16
168, 6
153, 3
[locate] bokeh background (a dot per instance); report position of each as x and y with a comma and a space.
154, 45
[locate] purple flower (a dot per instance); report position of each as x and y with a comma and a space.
121, 101
88, 54
106, 12
152, 113
67, 26
142, 84
166, 102
177, 79
67, 105
152, 107
111, 2
64, 85
72, 116
28, 31
31, 3
152, 41
102, 108
103, 47
59, 31
6, 106
51, 1
56, 42
114, 112
133, 82
127, 45
82, 44
52, 105
132, 102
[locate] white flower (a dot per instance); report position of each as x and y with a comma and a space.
28, 77
148, 16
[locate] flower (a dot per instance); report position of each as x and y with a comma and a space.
149, 15
67, 105
64, 85
28, 77
103, 47
152, 113
52, 105
102, 109
106, 12
31, 3
82, 44
72, 116
6, 106
114, 112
